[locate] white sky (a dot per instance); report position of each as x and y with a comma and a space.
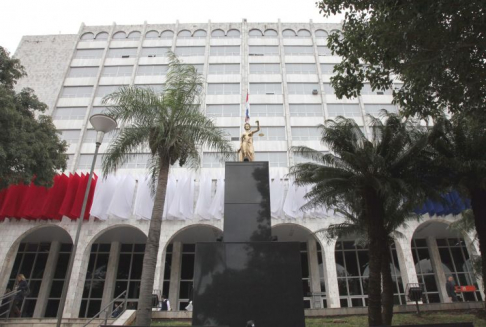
40, 17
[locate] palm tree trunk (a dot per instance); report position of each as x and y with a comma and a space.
478, 204
144, 310
387, 295
375, 221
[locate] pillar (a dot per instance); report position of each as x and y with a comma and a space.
330, 274
315, 278
175, 275
473, 250
160, 268
47, 277
110, 278
436, 262
406, 263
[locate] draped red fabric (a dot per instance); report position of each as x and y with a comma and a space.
28, 198
13, 201
70, 195
3, 193
55, 198
40, 198
78, 202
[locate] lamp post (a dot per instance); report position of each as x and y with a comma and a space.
102, 124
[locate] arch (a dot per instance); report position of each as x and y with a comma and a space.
217, 33
289, 33
321, 34
102, 36
198, 237
87, 36
167, 34
120, 35
233, 33
271, 33
200, 33
184, 34
152, 35
135, 35
255, 33
303, 33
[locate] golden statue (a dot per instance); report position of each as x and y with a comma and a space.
246, 151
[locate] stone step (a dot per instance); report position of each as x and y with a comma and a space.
50, 322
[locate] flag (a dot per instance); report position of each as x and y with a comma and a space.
247, 112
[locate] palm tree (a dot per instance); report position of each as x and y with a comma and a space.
461, 143
395, 163
171, 125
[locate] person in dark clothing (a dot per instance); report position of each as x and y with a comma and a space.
164, 304
118, 310
23, 287
450, 288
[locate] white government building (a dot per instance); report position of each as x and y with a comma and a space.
287, 68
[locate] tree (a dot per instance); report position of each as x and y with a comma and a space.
29, 146
394, 164
173, 128
437, 48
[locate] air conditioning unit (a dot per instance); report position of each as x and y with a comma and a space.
151, 56
125, 56
380, 93
314, 92
270, 93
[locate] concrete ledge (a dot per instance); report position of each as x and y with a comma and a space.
126, 319
49, 322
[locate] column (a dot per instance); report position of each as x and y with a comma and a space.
440, 276
111, 271
175, 275
473, 249
315, 282
406, 263
45, 288
160, 267
330, 274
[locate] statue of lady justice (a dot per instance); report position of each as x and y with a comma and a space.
246, 151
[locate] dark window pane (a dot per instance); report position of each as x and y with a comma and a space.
94, 307
354, 286
31, 247
187, 266
40, 265
123, 266
91, 263
44, 247
104, 247
188, 247
446, 260
169, 248
307, 304
62, 263
434, 298
51, 308
348, 245
120, 287
441, 242
351, 264
97, 289
137, 264
82, 310
65, 247
304, 264
303, 246
430, 283
305, 287
363, 263
344, 303
357, 302
94, 247
22, 246
56, 288
420, 242
34, 286
165, 291
168, 261
185, 290
458, 259
28, 308
16, 266
29, 259
134, 290
139, 248
342, 287
126, 248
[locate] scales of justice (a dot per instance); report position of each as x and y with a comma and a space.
246, 150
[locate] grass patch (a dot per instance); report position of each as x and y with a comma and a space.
353, 321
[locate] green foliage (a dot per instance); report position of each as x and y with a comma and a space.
29, 146
437, 48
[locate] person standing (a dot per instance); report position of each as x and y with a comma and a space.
450, 288
165, 304
23, 290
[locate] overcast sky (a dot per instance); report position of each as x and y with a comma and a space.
40, 17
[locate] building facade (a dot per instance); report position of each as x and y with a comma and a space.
285, 68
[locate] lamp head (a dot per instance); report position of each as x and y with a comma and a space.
102, 124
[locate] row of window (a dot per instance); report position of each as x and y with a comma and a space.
217, 33
183, 51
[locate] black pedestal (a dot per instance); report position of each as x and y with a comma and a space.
248, 277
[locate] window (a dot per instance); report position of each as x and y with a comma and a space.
255, 33
217, 33
268, 50
88, 54
77, 92
85, 162
289, 33
293, 50
101, 36
233, 34
184, 34
136, 161
58, 280
327, 68
200, 34
90, 136
271, 134
211, 160
328, 89
302, 88
303, 33
298, 158
305, 133
154, 52
306, 110
122, 53
346, 110
157, 88
67, 113
225, 51
167, 35
223, 110
120, 35
98, 110
271, 33
301, 68
115, 71
129, 272
189, 51
230, 88
265, 88
83, 71
224, 69
321, 34
154, 70
87, 37
70, 136
152, 35
375, 109
323, 51
264, 68
367, 90
104, 90
275, 159
134, 36
231, 133
199, 67
425, 271
266, 110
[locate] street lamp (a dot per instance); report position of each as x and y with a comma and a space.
102, 124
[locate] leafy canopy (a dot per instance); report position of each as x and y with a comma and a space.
437, 48
29, 146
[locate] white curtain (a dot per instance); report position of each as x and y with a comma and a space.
122, 201
294, 201
216, 210
105, 189
204, 198
186, 203
144, 202
277, 193
169, 196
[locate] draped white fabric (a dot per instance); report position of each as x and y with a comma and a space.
169, 195
144, 202
277, 193
204, 199
122, 202
105, 189
182, 205
217, 205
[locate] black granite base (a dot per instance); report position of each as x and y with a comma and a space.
238, 282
